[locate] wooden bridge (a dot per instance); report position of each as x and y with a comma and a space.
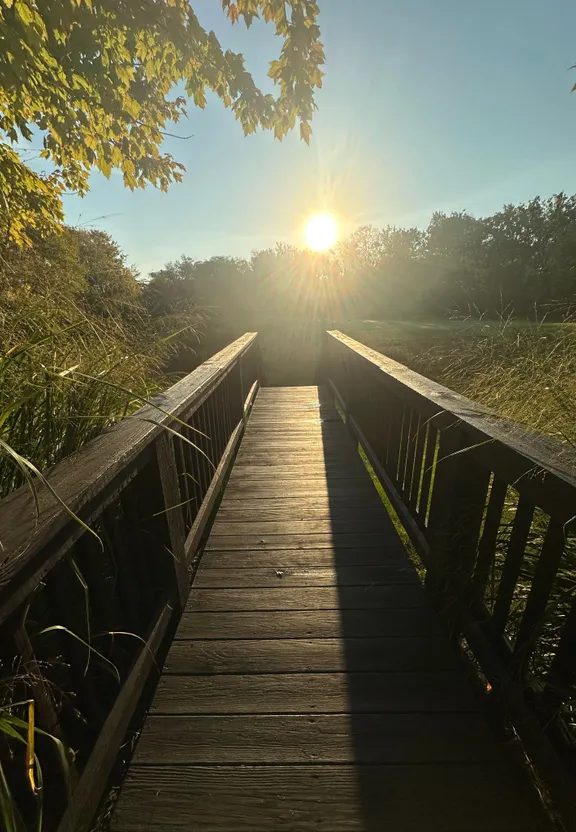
336, 608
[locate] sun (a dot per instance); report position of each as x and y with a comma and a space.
321, 232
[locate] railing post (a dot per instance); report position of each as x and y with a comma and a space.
456, 511
173, 509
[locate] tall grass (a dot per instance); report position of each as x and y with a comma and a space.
65, 376
526, 373
67, 371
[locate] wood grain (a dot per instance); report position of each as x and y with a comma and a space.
395, 597
244, 576
333, 525
436, 798
308, 624
314, 693
317, 738
393, 556
309, 655
335, 541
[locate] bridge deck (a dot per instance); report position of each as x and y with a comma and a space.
310, 686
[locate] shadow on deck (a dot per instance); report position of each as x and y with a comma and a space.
310, 685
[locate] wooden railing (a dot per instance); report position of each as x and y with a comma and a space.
490, 509
85, 615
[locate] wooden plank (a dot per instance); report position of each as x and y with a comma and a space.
340, 448
438, 798
314, 693
299, 488
308, 655
246, 576
307, 598
321, 476
308, 624
320, 738
307, 541
379, 522
393, 556
316, 444
302, 456
364, 497
294, 472
295, 513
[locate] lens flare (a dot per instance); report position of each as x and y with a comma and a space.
321, 232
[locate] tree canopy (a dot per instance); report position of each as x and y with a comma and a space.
95, 79
520, 260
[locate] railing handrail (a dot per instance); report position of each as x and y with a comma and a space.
147, 488
541, 465
490, 507
104, 464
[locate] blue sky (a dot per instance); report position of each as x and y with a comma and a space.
426, 105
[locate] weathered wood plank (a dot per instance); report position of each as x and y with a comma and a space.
285, 475
299, 488
441, 798
294, 471
247, 576
318, 738
379, 522
308, 624
309, 655
368, 499
359, 540
307, 598
265, 456
393, 556
294, 513
314, 693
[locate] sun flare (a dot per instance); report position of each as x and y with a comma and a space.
321, 232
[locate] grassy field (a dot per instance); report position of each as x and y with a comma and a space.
524, 371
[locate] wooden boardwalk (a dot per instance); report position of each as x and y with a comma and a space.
309, 686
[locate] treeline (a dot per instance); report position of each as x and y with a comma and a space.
520, 261
84, 339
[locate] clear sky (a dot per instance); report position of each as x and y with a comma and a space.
426, 105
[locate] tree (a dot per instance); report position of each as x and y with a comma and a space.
94, 77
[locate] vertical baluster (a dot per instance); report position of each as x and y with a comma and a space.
130, 582
512, 565
414, 485
428, 467
489, 538
220, 416
542, 583
191, 454
68, 603
456, 512
203, 443
396, 414
173, 512
412, 438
